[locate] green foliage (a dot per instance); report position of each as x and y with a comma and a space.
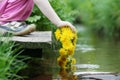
42, 22
101, 16
9, 64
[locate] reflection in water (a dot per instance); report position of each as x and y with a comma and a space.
106, 55
92, 73
67, 75
68, 44
78, 66
84, 48
89, 78
96, 54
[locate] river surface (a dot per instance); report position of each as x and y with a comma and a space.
96, 54
93, 55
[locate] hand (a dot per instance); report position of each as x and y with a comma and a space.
66, 23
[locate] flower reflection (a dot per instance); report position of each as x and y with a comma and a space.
66, 61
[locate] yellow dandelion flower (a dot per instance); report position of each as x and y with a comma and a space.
58, 34
73, 61
68, 41
66, 44
62, 59
63, 38
62, 64
71, 50
62, 51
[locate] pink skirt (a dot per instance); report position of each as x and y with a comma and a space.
15, 10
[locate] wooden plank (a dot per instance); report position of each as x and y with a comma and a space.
35, 37
38, 39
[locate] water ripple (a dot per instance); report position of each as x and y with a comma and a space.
84, 48
92, 66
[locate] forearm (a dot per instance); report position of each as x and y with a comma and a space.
48, 11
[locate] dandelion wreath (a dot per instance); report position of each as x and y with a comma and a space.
68, 41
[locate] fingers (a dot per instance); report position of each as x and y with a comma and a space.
65, 23
72, 27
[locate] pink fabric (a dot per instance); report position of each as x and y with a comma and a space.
15, 10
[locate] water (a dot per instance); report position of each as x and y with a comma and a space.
95, 54
97, 58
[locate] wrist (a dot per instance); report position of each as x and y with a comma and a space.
58, 23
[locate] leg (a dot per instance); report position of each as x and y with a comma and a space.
12, 11
17, 28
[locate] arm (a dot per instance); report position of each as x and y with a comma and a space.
49, 12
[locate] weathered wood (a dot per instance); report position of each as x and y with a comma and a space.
38, 39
